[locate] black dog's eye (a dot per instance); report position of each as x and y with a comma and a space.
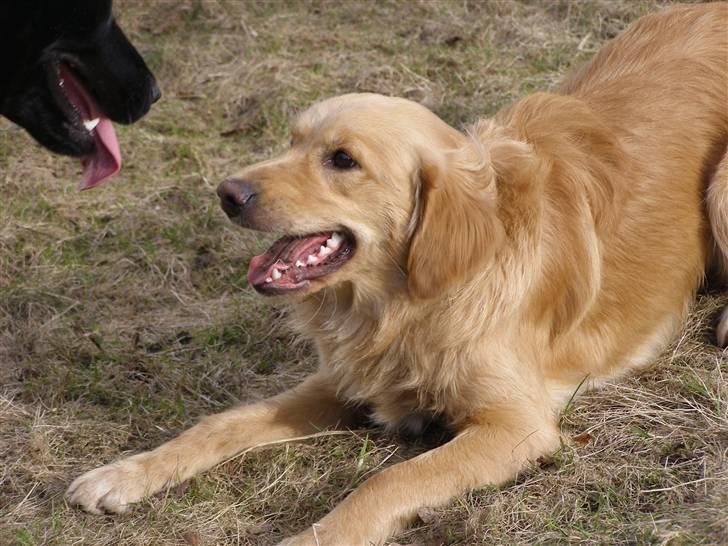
341, 160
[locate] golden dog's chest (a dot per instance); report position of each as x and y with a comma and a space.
408, 392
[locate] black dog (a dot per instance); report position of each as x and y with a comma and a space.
67, 71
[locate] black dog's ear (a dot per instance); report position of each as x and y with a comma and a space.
458, 230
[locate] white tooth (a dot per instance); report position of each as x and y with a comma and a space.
276, 274
91, 124
335, 240
325, 251
311, 259
299, 263
269, 280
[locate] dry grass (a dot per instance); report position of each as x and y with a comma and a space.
124, 312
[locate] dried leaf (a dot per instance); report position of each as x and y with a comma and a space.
193, 538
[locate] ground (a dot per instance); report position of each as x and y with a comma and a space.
125, 315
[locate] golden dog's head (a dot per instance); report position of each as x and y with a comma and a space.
374, 191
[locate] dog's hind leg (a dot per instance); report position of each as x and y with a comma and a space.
717, 201
310, 407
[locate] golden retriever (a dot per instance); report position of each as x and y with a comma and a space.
475, 277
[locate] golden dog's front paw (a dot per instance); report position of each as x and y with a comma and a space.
310, 538
110, 488
304, 539
320, 534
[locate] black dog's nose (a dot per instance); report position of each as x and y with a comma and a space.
235, 196
154, 92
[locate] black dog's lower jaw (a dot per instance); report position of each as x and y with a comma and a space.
68, 72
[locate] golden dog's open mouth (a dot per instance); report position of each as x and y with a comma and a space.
292, 261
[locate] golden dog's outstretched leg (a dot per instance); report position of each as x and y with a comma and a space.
308, 408
489, 451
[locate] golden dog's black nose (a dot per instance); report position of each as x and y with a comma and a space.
236, 196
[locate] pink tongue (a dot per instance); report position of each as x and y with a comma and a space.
258, 269
106, 159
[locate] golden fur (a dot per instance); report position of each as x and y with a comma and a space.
495, 270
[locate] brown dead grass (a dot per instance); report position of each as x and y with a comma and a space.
124, 312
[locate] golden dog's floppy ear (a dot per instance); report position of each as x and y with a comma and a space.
456, 227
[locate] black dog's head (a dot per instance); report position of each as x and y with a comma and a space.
67, 69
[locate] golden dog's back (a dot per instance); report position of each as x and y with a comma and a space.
651, 108
663, 86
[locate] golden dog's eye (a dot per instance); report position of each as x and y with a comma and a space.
342, 160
